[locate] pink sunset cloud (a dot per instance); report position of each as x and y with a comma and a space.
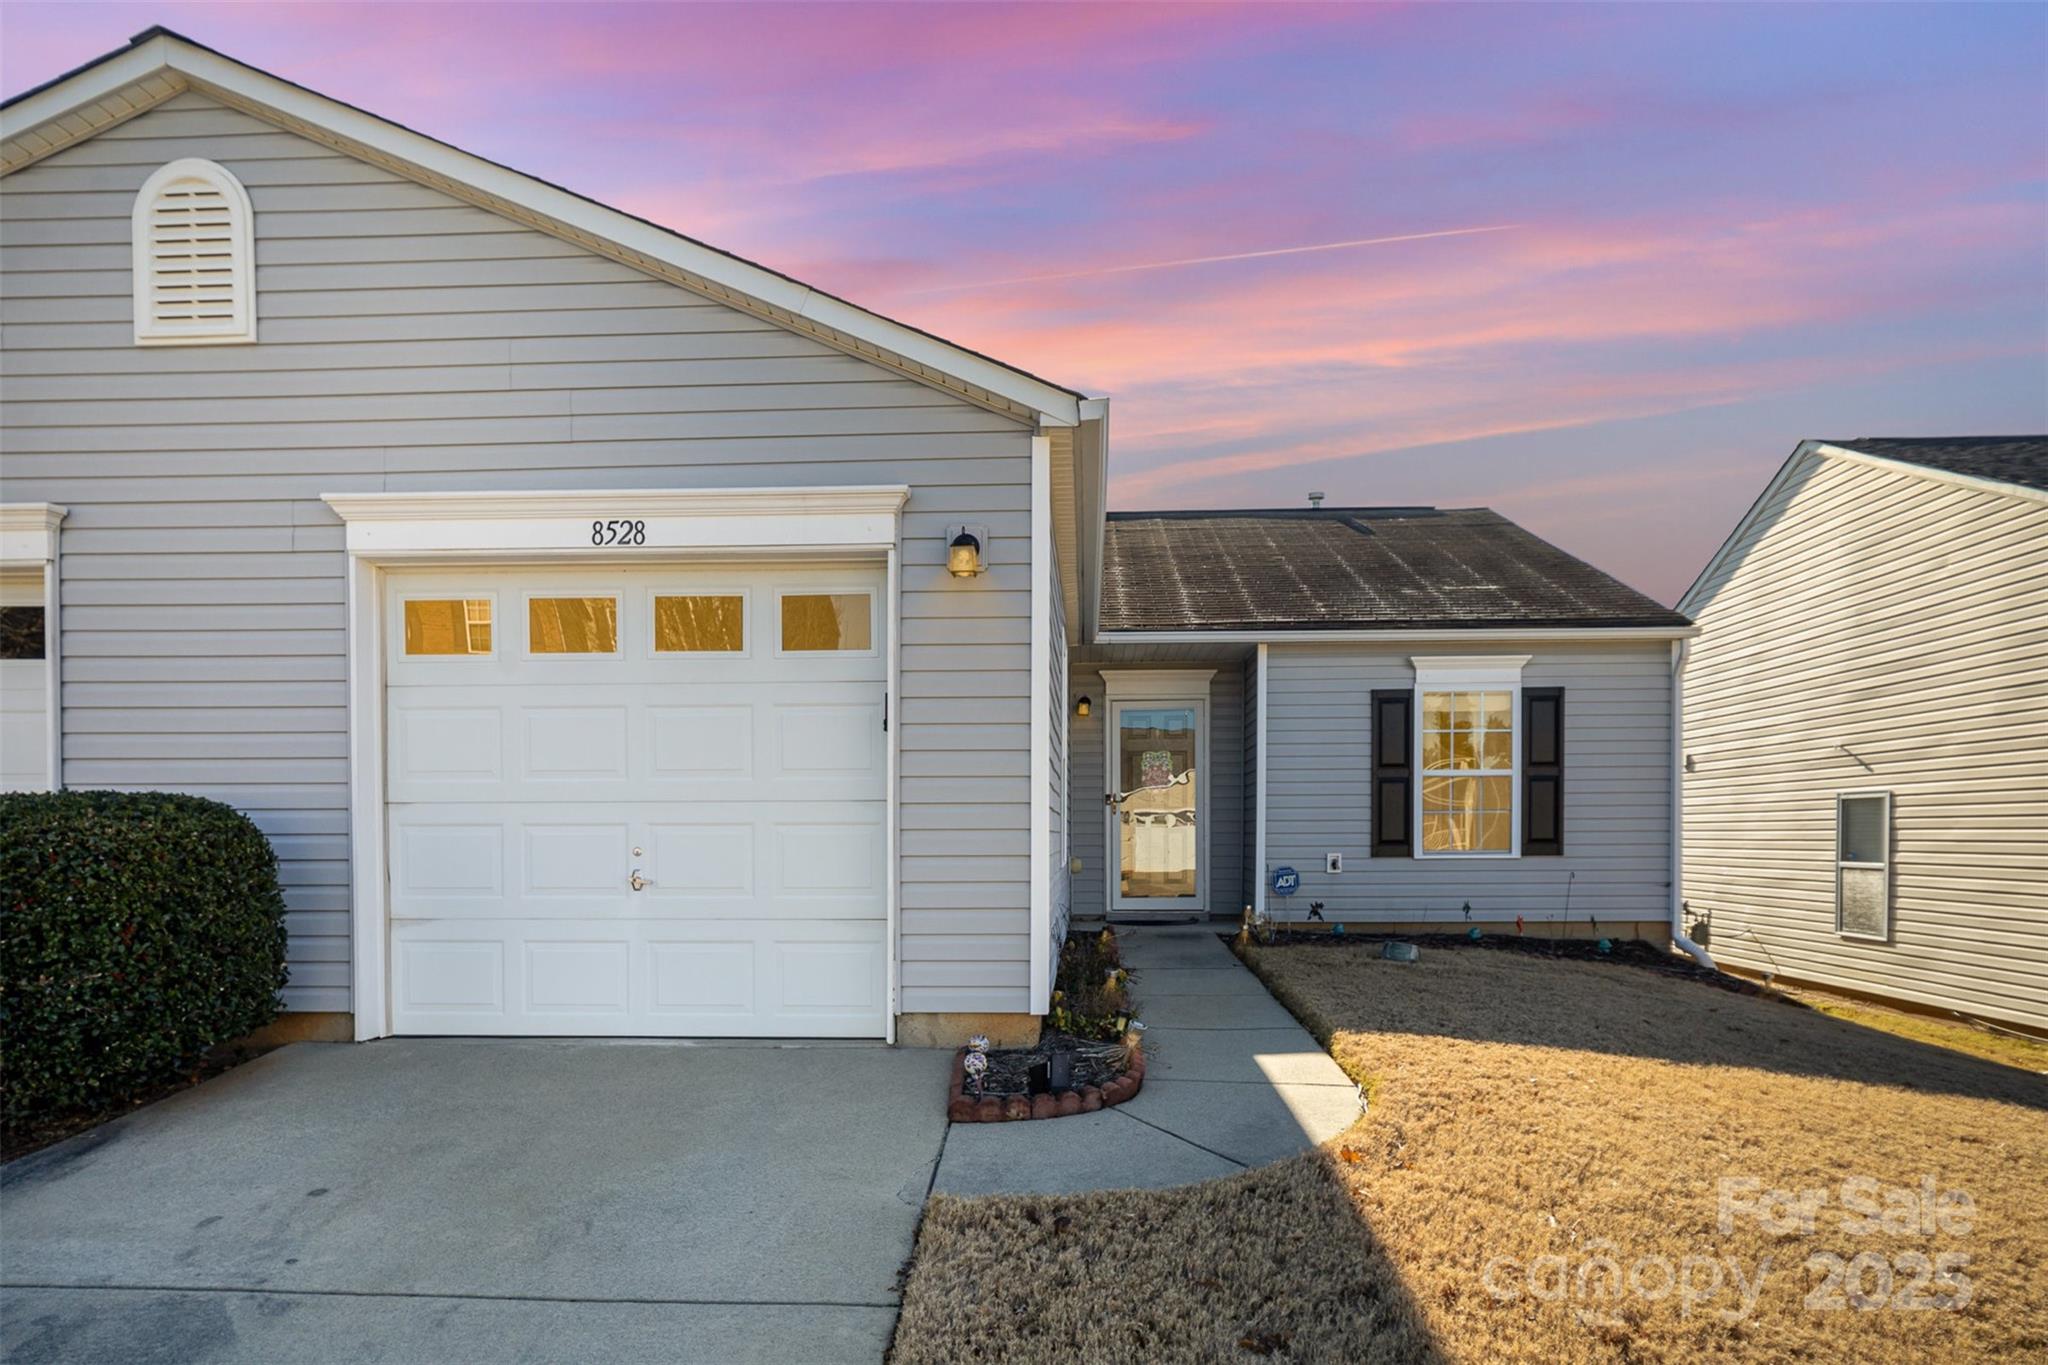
1723, 228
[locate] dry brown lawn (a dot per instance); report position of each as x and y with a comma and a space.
1533, 1121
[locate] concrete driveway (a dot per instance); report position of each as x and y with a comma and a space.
484, 1200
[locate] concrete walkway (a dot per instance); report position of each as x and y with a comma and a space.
484, 1200
1231, 1082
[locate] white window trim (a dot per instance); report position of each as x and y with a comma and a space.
30, 540
393, 530
239, 330
1886, 866
1469, 673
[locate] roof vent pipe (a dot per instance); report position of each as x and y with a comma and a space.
1315, 500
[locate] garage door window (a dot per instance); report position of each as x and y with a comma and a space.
572, 625
700, 624
448, 625
812, 622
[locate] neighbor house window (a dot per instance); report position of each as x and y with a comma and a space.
1863, 866
827, 621
448, 625
1468, 793
194, 257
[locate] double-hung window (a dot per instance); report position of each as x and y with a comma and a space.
1863, 865
1468, 792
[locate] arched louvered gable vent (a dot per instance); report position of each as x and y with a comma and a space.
195, 260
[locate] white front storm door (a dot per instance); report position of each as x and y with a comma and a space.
1158, 808
640, 801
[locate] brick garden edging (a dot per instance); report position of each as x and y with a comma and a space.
962, 1107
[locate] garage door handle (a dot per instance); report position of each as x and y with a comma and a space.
639, 883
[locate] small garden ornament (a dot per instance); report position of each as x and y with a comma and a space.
976, 1065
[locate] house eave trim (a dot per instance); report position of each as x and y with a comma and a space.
1948, 476
43, 122
1348, 637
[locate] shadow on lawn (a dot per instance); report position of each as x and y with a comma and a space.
1274, 1263
1626, 1011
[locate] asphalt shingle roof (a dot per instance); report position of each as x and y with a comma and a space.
1352, 568
2010, 459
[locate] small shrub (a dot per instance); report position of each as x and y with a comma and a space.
1091, 995
137, 930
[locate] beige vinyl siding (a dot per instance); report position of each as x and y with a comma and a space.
1877, 630
1087, 822
1616, 778
411, 342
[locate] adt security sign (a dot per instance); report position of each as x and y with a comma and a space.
1286, 881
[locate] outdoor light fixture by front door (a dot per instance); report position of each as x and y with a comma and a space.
963, 550
1083, 706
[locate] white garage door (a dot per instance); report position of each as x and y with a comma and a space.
715, 732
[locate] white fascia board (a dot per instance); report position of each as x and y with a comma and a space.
1823, 450
1053, 405
2011, 490
1689, 600
90, 86
1091, 456
1041, 966
1352, 637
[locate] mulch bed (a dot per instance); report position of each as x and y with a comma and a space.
1104, 1074
1626, 952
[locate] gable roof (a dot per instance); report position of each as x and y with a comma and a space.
2013, 465
158, 64
1354, 569
2020, 460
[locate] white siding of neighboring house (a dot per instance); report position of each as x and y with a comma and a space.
1617, 783
1877, 630
1228, 811
412, 342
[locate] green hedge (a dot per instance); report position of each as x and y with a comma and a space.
137, 930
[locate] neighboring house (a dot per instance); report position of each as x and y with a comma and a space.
1434, 718
616, 637
1866, 727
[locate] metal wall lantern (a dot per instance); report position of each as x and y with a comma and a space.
964, 551
1083, 706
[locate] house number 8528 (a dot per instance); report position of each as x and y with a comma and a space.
618, 533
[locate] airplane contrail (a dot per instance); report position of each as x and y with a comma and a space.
1211, 260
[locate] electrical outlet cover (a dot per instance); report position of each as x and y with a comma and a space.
1335, 862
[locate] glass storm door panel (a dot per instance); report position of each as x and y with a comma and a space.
1156, 815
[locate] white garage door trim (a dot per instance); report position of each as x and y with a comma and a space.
635, 526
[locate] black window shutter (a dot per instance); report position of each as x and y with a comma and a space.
1542, 771
1393, 773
